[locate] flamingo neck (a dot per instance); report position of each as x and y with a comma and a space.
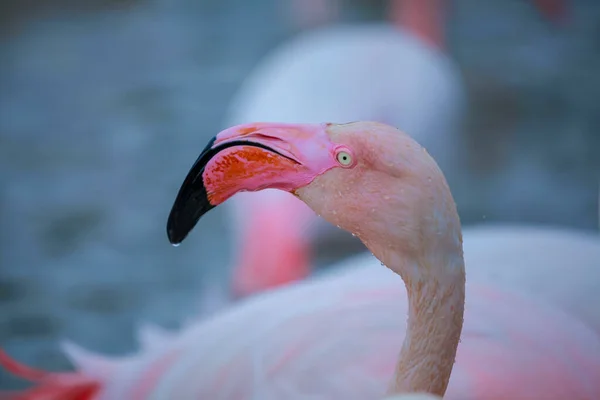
435, 320
423, 18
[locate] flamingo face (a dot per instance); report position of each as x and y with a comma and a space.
367, 178
253, 157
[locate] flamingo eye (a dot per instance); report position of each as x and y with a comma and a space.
344, 158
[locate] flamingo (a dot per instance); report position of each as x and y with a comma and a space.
403, 77
338, 337
496, 252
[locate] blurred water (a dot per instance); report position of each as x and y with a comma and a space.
102, 113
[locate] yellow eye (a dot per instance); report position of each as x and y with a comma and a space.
344, 158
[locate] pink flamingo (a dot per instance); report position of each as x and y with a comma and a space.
403, 77
531, 259
338, 337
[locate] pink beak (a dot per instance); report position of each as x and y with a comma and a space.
249, 157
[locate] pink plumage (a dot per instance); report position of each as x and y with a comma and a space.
49, 385
338, 338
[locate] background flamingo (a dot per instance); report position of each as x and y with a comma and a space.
337, 337
276, 248
397, 73
402, 77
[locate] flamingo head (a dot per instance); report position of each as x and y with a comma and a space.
365, 177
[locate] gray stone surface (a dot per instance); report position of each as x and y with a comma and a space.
102, 113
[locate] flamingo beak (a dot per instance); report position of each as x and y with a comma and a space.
249, 157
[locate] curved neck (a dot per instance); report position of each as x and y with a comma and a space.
423, 18
435, 320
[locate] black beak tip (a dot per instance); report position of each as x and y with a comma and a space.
192, 200
174, 238
175, 234
189, 207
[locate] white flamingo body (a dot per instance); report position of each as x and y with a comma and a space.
560, 265
309, 340
322, 333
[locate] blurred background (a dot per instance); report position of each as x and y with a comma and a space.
105, 104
